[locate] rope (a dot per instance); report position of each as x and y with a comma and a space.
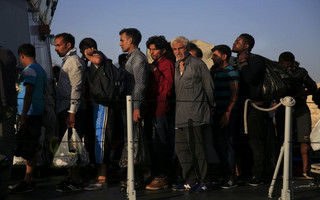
287, 101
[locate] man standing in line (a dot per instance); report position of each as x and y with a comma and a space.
136, 78
8, 107
226, 81
252, 70
194, 102
70, 104
32, 83
160, 90
103, 116
301, 112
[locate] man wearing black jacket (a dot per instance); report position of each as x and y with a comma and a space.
252, 70
301, 112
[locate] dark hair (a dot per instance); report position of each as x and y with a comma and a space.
122, 59
87, 43
67, 37
159, 41
249, 40
286, 57
191, 46
27, 50
223, 49
132, 33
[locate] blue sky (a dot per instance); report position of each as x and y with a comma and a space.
277, 25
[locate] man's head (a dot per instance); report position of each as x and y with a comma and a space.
64, 42
157, 46
129, 39
244, 42
179, 46
287, 59
194, 50
87, 43
221, 54
26, 53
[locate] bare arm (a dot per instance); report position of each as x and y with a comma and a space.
26, 103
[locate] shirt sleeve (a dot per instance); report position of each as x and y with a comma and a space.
207, 84
75, 72
164, 78
140, 78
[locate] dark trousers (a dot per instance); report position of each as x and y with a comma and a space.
158, 135
257, 139
223, 143
190, 148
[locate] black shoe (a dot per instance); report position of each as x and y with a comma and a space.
69, 187
229, 184
22, 187
255, 181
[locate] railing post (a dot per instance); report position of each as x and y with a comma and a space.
286, 193
131, 193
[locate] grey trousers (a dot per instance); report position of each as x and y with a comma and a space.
191, 151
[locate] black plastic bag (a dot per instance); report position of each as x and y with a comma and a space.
141, 154
277, 81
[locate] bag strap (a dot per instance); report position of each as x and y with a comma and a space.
2, 94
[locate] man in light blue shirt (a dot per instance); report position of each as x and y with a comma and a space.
32, 83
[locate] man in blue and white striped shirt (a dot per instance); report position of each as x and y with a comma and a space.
226, 81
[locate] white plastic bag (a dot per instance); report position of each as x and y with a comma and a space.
315, 137
71, 152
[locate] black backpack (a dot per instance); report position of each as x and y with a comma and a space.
277, 83
107, 84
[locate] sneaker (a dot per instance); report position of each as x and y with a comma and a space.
255, 181
22, 187
229, 184
157, 184
201, 187
183, 187
96, 186
68, 187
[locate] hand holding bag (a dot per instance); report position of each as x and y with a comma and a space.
71, 151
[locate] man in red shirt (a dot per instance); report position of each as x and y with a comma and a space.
160, 90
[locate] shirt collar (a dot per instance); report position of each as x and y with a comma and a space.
70, 53
132, 52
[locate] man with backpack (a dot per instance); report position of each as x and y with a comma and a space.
252, 70
102, 113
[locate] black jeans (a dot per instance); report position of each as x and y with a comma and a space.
257, 139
